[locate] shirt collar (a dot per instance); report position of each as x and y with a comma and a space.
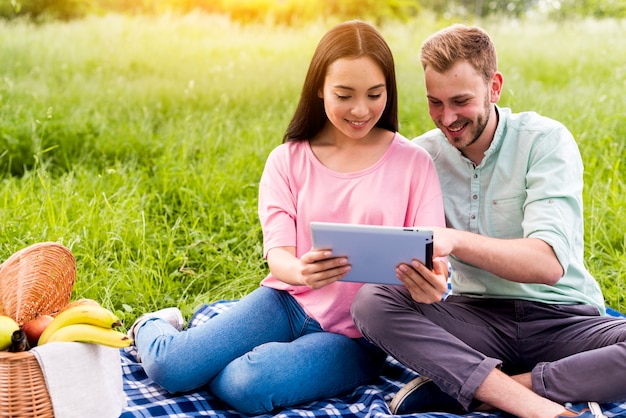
498, 136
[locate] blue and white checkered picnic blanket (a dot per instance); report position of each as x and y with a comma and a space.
146, 399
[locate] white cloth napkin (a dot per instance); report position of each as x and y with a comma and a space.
84, 380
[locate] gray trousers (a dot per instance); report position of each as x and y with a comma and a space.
574, 354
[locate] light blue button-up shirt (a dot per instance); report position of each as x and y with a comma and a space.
529, 184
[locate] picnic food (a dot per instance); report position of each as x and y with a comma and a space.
87, 333
100, 320
77, 302
35, 327
7, 327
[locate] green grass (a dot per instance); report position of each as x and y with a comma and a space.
139, 142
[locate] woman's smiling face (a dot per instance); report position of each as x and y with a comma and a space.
355, 95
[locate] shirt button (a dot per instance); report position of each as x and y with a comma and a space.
473, 217
475, 175
475, 197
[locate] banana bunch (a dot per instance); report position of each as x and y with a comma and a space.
87, 323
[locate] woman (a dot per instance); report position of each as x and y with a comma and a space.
292, 340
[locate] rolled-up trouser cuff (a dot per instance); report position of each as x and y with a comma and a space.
537, 380
471, 385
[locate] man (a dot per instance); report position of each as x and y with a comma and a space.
523, 328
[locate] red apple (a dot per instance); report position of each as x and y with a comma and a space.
35, 327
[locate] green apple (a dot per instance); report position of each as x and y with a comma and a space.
7, 327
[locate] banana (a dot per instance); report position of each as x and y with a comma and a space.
77, 302
7, 327
80, 314
87, 333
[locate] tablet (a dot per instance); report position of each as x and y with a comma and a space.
373, 251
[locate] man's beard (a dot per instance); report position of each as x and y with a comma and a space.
481, 124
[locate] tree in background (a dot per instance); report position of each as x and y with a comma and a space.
45, 9
293, 12
592, 8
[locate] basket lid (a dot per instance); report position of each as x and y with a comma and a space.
36, 280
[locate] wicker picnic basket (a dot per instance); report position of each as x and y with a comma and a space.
36, 280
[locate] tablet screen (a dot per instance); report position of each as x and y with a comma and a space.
374, 251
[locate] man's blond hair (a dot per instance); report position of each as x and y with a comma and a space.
445, 48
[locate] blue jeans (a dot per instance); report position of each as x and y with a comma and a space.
261, 354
